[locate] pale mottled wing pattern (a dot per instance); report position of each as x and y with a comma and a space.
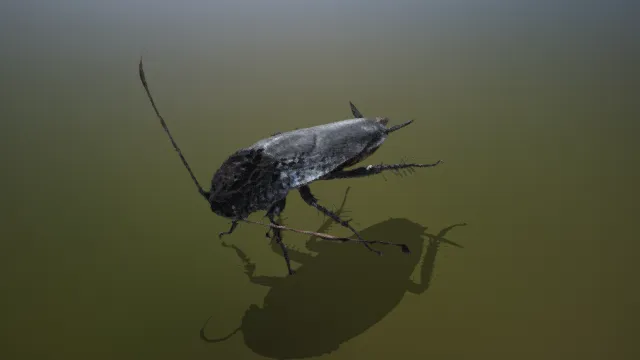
305, 155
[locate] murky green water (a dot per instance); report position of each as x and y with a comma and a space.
108, 252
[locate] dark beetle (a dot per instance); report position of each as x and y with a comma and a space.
259, 177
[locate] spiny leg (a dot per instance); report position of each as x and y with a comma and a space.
294, 254
308, 197
306, 193
274, 211
374, 169
234, 224
278, 246
311, 243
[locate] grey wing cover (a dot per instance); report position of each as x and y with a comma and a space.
307, 154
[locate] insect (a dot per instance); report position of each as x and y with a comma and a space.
260, 176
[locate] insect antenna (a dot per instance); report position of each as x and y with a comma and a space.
166, 129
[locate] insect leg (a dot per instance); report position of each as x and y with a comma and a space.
311, 243
234, 224
294, 254
274, 211
278, 247
373, 170
308, 197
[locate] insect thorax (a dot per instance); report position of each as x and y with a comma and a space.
246, 182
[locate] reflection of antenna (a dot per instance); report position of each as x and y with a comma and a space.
440, 237
204, 337
428, 261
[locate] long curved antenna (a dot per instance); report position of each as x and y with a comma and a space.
166, 129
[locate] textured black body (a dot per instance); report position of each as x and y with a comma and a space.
246, 182
256, 177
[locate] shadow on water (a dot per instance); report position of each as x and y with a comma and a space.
339, 293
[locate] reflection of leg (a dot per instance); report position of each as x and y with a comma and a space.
305, 192
272, 213
294, 255
428, 263
250, 268
234, 224
443, 232
374, 169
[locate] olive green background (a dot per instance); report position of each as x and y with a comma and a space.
108, 252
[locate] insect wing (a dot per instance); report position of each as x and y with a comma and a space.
307, 154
